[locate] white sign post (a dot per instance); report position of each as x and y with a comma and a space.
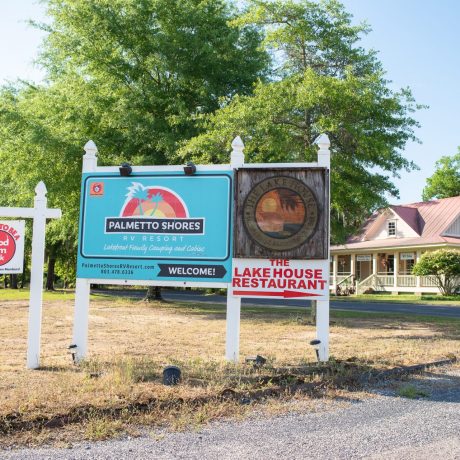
277, 278
313, 283
39, 213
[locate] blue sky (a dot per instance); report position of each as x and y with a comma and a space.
417, 40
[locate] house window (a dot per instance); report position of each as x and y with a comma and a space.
391, 228
406, 262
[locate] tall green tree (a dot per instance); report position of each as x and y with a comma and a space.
134, 76
445, 181
323, 81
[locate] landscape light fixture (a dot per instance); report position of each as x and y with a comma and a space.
256, 360
125, 170
190, 169
73, 351
171, 375
315, 343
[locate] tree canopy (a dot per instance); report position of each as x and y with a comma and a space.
134, 76
445, 181
164, 81
323, 82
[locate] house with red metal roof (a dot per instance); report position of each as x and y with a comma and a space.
381, 256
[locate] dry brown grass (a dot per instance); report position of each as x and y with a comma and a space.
131, 342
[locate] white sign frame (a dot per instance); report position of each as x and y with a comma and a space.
39, 213
82, 291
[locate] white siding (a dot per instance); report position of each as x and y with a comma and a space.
454, 228
402, 229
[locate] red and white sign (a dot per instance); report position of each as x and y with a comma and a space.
280, 278
11, 246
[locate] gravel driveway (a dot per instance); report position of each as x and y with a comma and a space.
381, 427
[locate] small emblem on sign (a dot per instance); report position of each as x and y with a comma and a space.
96, 189
280, 213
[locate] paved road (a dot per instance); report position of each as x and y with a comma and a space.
448, 311
382, 427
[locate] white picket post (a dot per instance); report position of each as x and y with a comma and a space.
322, 306
232, 344
82, 286
36, 277
237, 155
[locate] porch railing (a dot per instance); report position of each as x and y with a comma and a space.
407, 281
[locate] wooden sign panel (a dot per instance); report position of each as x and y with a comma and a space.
281, 213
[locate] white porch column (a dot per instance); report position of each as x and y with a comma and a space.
374, 268
418, 280
396, 271
335, 262
352, 265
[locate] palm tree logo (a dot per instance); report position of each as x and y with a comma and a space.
140, 193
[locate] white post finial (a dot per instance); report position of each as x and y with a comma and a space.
90, 148
40, 190
90, 157
324, 154
237, 156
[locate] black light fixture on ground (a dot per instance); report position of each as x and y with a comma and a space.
315, 343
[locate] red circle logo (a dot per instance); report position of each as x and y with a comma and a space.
7, 247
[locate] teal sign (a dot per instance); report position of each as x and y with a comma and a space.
156, 226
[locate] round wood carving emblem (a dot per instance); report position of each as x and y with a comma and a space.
280, 213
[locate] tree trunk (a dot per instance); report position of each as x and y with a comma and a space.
50, 274
313, 311
5, 281
14, 281
153, 293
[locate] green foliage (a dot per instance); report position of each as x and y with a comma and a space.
444, 266
445, 182
410, 391
134, 76
326, 84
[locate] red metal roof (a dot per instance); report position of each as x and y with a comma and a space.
430, 219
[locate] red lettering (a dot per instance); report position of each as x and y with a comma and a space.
245, 282
318, 273
247, 272
291, 284
308, 273
277, 272
288, 273
266, 273
312, 284
271, 284
254, 283
236, 282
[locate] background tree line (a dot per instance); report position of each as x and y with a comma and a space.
167, 81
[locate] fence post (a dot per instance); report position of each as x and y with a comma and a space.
232, 343
82, 287
322, 311
36, 277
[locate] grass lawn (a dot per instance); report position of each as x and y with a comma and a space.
401, 298
130, 342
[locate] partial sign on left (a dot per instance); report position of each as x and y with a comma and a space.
12, 246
